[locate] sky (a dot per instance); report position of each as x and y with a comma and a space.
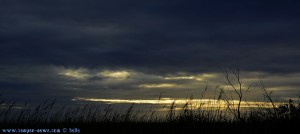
140, 49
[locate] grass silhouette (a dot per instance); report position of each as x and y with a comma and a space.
92, 118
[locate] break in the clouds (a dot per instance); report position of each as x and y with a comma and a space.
119, 48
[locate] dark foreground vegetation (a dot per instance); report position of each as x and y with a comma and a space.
93, 119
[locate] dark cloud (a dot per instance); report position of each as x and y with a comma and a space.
169, 35
39, 40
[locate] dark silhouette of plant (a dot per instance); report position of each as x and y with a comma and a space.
266, 94
128, 114
171, 114
288, 111
237, 89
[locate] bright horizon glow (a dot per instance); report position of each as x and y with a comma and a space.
195, 103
